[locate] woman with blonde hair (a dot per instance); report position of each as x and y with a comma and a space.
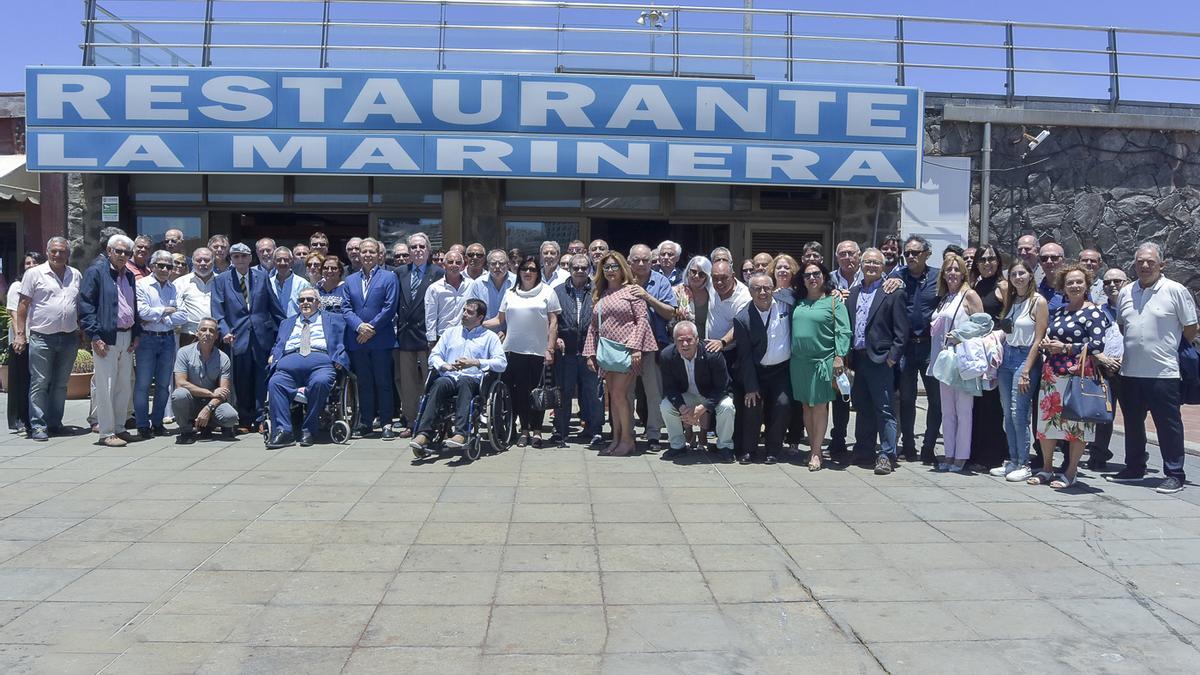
958, 302
618, 336
312, 267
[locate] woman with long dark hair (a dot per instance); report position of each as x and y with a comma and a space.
620, 318
529, 317
18, 362
989, 446
1026, 315
820, 340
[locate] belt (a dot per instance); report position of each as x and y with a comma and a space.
46, 335
159, 333
315, 350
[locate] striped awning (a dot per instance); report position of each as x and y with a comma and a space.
16, 183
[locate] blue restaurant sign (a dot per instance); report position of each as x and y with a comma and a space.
603, 127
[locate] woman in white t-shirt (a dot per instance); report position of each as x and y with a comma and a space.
528, 317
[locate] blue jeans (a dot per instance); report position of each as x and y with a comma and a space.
576, 379
155, 361
50, 360
1017, 406
872, 396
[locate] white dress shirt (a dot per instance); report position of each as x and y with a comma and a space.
195, 296
779, 343
443, 306
152, 299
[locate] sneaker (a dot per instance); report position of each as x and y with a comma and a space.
941, 467
40, 435
955, 468
1019, 475
1004, 470
883, 465
1169, 485
596, 441
1126, 475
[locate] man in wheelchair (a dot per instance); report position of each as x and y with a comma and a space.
309, 349
460, 358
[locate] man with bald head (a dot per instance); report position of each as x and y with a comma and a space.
1051, 257
597, 249
1091, 260
656, 290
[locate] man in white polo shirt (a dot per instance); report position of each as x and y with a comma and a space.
1154, 313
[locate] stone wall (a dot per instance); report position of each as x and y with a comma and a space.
1109, 189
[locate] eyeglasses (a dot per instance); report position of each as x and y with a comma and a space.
306, 300
420, 246
761, 289
913, 254
164, 266
475, 255
813, 275
696, 273
122, 251
1049, 257
987, 259
612, 267
529, 269
314, 265
579, 268
1112, 282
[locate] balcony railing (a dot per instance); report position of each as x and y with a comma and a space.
941, 55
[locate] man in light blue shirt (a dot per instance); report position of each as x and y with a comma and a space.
158, 309
491, 287
285, 283
461, 358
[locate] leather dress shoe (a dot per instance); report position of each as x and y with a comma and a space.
281, 439
387, 434
744, 459
144, 433
306, 438
159, 430
185, 438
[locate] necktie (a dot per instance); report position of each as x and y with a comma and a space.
244, 288
414, 281
306, 338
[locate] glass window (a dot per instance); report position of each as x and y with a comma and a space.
156, 227
542, 193
404, 190
706, 197
393, 229
330, 190
528, 235
246, 188
167, 188
614, 195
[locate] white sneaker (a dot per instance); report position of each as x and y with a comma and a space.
1002, 470
1021, 475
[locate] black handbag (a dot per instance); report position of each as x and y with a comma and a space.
545, 397
1087, 398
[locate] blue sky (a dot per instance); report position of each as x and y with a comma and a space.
49, 33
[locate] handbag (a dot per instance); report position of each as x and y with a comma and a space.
543, 397
1087, 398
611, 356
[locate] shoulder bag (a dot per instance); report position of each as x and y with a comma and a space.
611, 356
1087, 397
544, 397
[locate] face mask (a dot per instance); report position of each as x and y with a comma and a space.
843, 386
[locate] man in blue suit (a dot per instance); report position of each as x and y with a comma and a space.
248, 315
370, 310
309, 348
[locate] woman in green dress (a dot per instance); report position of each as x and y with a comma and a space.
820, 338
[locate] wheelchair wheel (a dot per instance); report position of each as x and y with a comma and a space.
266, 426
474, 448
339, 432
348, 405
499, 418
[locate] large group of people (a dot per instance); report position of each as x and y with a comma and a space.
767, 357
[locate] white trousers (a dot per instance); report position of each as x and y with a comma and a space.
114, 388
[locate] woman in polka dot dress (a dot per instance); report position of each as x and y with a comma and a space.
1075, 324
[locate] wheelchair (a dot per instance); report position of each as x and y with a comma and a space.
340, 415
490, 428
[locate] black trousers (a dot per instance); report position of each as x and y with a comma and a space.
463, 390
1160, 398
916, 363
18, 390
739, 396
522, 375
1099, 449
774, 407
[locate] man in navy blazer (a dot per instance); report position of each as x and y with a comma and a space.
412, 357
248, 315
310, 346
880, 323
370, 311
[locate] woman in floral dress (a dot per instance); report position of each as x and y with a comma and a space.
1072, 326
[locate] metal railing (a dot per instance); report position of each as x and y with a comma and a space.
995, 58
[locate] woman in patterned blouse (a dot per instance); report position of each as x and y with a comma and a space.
1072, 326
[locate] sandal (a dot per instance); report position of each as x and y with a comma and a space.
814, 464
1040, 478
1062, 481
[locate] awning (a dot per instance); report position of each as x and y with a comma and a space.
17, 183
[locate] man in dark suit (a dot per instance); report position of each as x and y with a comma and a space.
763, 333
411, 364
880, 323
309, 348
695, 391
370, 311
248, 315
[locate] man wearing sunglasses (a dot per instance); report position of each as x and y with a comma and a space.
108, 313
411, 362
476, 257
158, 306
570, 368
1051, 257
920, 286
307, 354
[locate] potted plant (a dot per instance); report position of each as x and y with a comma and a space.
80, 384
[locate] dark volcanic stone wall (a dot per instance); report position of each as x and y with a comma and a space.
1087, 187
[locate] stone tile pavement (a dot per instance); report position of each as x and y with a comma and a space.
225, 558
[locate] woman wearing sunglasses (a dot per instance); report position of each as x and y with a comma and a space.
528, 317
312, 267
820, 340
330, 284
989, 445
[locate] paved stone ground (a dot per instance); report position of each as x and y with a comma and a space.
223, 558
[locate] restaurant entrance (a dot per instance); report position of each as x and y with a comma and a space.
290, 228
696, 239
